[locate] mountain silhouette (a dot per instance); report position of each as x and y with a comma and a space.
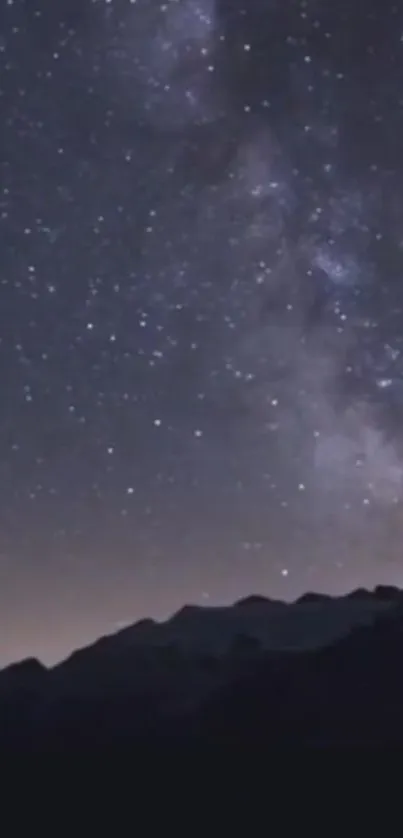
321, 671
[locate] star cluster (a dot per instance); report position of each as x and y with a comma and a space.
201, 306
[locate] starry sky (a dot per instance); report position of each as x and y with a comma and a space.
201, 307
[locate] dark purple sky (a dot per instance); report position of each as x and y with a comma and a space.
201, 307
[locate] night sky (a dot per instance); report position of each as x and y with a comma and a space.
201, 307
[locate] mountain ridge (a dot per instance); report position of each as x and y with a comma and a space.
228, 672
385, 595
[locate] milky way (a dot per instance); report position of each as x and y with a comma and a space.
201, 307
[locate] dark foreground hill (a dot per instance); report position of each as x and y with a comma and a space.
321, 671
